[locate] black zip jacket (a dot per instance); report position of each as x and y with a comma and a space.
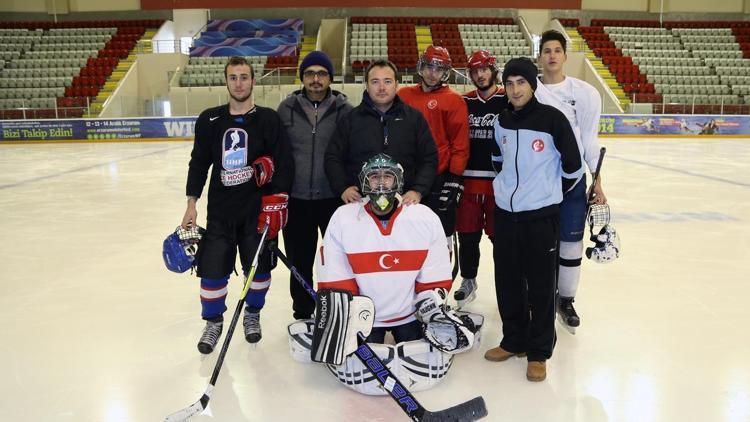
401, 132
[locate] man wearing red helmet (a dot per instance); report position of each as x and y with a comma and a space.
446, 114
476, 208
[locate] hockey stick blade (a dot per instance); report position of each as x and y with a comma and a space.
471, 410
190, 411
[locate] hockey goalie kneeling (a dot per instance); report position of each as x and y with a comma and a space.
384, 267
331, 338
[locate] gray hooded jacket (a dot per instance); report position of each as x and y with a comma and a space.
309, 128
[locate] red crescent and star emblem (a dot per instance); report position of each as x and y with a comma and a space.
387, 261
537, 145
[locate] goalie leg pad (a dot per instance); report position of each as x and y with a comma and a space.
300, 340
416, 364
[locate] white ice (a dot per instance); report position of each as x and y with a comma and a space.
94, 328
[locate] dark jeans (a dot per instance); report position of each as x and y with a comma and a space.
526, 259
306, 217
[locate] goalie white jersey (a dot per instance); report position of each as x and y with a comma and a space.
389, 263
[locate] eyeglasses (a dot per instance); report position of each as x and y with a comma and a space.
311, 74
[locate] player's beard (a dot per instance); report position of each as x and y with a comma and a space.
241, 99
486, 86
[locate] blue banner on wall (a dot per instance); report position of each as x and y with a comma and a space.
96, 129
650, 124
183, 127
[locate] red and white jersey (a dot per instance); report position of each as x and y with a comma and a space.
389, 263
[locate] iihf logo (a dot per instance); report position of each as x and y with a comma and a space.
505, 140
432, 104
234, 149
537, 145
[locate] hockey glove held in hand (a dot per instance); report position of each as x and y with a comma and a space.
273, 213
263, 170
450, 195
442, 327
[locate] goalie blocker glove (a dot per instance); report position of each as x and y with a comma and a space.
339, 317
453, 189
273, 213
179, 248
443, 328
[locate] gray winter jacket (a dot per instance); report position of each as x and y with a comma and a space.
309, 138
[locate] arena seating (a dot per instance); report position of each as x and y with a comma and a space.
401, 39
699, 64
49, 66
209, 71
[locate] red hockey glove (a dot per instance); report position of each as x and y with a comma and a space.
263, 167
273, 212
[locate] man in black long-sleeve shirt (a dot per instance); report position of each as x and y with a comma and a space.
251, 172
382, 123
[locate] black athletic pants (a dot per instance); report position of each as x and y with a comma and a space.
300, 245
526, 259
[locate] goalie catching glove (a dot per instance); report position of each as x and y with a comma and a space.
339, 318
443, 328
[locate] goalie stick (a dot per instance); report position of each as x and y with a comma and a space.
202, 403
468, 411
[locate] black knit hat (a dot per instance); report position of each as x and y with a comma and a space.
521, 66
316, 58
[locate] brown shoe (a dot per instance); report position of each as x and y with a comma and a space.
498, 354
536, 371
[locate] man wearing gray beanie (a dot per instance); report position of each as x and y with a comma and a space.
310, 116
537, 159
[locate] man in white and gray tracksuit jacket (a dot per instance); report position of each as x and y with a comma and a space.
538, 161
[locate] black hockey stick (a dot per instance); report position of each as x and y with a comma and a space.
454, 272
590, 196
200, 405
468, 411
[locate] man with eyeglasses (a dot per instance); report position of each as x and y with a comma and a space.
310, 116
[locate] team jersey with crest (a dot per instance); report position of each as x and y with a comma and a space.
483, 113
230, 144
389, 261
445, 113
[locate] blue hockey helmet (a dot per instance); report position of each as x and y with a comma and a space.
179, 248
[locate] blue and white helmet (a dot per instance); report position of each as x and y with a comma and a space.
179, 248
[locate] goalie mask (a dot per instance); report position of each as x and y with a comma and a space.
179, 248
606, 242
436, 58
381, 178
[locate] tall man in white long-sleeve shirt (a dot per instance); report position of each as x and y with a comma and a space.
582, 105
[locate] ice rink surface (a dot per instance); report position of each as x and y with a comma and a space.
94, 328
